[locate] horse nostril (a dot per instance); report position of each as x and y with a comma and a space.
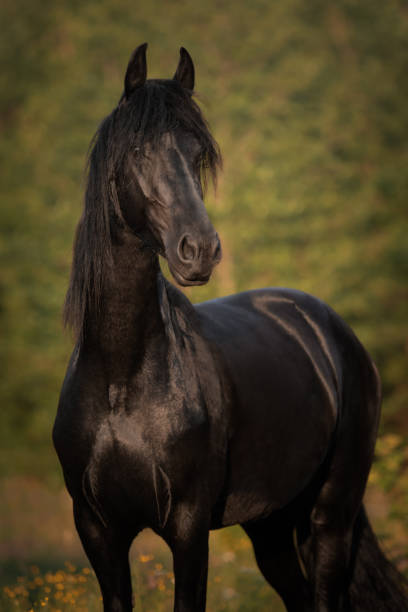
217, 250
187, 249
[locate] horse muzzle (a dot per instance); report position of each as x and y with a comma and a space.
194, 259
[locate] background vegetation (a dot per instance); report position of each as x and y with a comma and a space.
308, 100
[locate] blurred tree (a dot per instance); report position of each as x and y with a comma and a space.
308, 102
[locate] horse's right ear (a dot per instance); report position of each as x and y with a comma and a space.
136, 71
185, 70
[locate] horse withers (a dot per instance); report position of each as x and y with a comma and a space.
259, 409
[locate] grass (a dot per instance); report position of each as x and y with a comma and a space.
43, 567
234, 583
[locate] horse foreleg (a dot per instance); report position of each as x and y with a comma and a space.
190, 563
107, 550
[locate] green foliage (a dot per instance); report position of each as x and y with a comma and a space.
308, 102
387, 496
390, 475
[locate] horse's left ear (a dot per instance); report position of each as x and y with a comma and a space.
185, 70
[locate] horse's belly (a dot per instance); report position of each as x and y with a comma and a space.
273, 456
282, 425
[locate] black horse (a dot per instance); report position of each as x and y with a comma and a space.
260, 408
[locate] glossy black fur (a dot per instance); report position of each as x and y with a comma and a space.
259, 408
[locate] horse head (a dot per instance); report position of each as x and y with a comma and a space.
160, 192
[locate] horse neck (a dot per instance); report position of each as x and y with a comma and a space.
129, 318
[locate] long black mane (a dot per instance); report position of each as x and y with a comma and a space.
157, 107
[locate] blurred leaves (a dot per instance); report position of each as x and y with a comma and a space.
391, 459
387, 495
308, 102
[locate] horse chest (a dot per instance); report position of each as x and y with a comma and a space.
138, 461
